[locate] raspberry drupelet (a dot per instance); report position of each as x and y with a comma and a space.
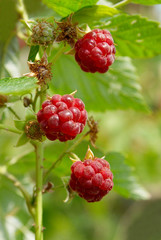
91, 179
62, 117
95, 52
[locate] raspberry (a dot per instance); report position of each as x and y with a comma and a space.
62, 117
95, 52
91, 179
43, 33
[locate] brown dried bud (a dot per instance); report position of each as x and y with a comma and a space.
93, 125
67, 31
41, 70
33, 130
26, 101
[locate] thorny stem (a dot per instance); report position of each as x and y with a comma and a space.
121, 4
9, 129
14, 113
39, 184
15, 181
71, 148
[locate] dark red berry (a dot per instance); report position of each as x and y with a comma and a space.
95, 52
62, 117
91, 179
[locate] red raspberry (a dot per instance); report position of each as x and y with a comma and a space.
95, 52
62, 117
91, 179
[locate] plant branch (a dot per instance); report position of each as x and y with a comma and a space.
71, 148
14, 113
16, 182
58, 54
39, 150
121, 4
9, 129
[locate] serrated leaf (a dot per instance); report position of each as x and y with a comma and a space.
125, 183
19, 124
33, 52
65, 7
15, 86
117, 89
92, 13
135, 36
147, 2
22, 140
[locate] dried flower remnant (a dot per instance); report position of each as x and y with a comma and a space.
93, 125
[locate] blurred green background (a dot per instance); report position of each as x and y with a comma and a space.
136, 135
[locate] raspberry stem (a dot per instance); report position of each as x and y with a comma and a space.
9, 129
15, 181
121, 4
58, 54
39, 186
71, 148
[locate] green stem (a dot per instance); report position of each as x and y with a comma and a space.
121, 4
10, 129
15, 181
22, 11
14, 113
39, 150
58, 54
71, 148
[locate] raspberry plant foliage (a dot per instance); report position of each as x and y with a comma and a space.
53, 72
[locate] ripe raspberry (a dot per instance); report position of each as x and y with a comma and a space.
91, 179
95, 52
62, 117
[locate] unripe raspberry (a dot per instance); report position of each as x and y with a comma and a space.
43, 33
95, 52
62, 117
91, 179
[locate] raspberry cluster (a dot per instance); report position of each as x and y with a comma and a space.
91, 179
62, 117
95, 52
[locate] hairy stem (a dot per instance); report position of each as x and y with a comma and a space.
121, 4
15, 181
9, 129
39, 183
14, 113
71, 148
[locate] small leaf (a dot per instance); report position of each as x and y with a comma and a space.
93, 13
33, 52
22, 140
65, 7
19, 124
125, 183
15, 86
147, 2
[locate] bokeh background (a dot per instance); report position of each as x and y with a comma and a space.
137, 135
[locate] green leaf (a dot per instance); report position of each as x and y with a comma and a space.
147, 2
65, 7
22, 140
19, 124
135, 36
17, 86
117, 89
9, 58
93, 13
125, 183
30, 114
33, 52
